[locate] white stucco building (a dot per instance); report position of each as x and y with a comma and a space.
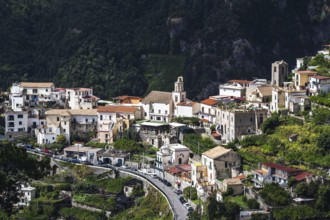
208, 110
27, 195
16, 124
68, 122
30, 94
81, 98
162, 106
171, 155
318, 84
187, 109
233, 88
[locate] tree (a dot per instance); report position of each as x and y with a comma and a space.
274, 195
253, 204
61, 139
270, 124
322, 201
212, 208
259, 216
296, 212
127, 145
301, 189
190, 193
323, 141
17, 168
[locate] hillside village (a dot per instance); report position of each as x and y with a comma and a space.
74, 125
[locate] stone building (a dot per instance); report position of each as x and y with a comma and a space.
279, 73
221, 163
155, 133
238, 122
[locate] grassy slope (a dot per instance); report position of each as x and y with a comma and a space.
161, 71
303, 153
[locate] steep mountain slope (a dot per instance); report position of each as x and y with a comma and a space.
124, 46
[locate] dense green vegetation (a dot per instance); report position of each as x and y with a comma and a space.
131, 47
95, 200
322, 99
197, 143
218, 210
153, 206
274, 195
77, 213
190, 193
14, 173
308, 152
323, 65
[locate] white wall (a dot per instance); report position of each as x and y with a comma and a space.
209, 163
184, 111
17, 102
230, 91
160, 112
19, 122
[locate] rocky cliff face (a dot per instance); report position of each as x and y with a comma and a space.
104, 44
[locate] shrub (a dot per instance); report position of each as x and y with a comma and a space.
274, 195
252, 203
190, 193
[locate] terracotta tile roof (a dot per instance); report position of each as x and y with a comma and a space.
209, 102
117, 109
320, 77
184, 167
173, 170
216, 152
280, 167
307, 72
158, 97
302, 176
36, 84
239, 81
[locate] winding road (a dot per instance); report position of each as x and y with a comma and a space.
179, 211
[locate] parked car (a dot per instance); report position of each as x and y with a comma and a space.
75, 161
87, 163
20, 145
182, 200
186, 205
178, 191
29, 147
190, 209
154, 176
167, 183
124, 166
